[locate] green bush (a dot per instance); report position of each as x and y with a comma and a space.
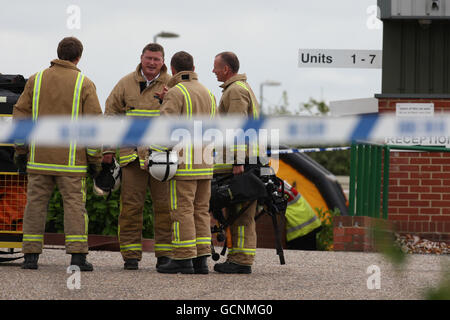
337, 162
103, 213
324, 237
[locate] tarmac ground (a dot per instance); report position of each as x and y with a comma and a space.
307, 275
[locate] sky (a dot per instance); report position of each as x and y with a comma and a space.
265, 35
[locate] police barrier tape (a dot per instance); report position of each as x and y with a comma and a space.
95, 131
305, 150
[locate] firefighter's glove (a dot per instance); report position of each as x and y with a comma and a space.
20, 160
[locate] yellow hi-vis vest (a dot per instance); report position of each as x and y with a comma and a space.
300, 219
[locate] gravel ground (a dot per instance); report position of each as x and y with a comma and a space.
311, 275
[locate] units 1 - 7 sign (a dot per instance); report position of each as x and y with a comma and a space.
318, 58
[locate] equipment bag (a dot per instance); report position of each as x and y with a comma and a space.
236, 189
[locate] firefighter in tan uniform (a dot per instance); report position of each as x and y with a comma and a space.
60, 89
137, 95
237, 99
190, 189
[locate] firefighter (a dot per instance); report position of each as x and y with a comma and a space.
237, 99
190, 189
137, 95
302, 224
60, 89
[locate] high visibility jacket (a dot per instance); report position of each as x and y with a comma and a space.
237, 99
188, 97
300, 217
60, 89
132, 98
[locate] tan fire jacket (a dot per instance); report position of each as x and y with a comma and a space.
237, 99
188, 97
132, 98
60, 89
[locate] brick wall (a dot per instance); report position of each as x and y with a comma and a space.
266, 233
419, 184
358, 233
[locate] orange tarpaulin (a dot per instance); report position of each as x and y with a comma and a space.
12, 205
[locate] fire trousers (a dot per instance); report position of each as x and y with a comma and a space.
39, 190
191, 222
132, 200
243, 234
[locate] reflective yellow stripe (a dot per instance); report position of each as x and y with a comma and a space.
184, 244
250, 252
32, 151
255, 112
86, 217
187, 98
56, 167
86, 223
240, 147
76, 238
131, 247
223, 166
36, 94
213, 105
194, 172
76, 96
129, 158
35, 108
173, 194
143, 113
163, 247
158, 148
83, 188
241, 237
93, 152
176, 242
176, 232
33, 237
203, 240
189, 150
75, 112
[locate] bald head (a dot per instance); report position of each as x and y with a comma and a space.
226, 65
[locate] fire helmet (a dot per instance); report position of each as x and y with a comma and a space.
108, 179
162, 165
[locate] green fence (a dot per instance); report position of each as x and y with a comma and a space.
369, 177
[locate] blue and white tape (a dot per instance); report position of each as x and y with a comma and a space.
94, 131
305, 150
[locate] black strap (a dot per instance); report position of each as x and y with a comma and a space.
142, 86
167, 167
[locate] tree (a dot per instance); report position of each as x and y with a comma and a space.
337, 162
314, 107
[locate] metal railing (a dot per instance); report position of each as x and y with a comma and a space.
369, 177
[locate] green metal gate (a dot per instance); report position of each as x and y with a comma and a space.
369, 177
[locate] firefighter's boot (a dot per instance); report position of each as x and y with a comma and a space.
79, 259
161, 260
200, 265
131, 264
177, 266
231, 267
30, 261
